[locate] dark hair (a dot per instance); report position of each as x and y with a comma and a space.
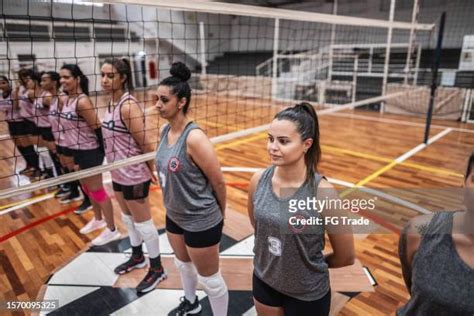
306, 121
54, 76
5, 78
76, 72
28, 72
180, 74
470, 163
122, 65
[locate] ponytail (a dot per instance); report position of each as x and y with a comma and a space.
306, 120
122, 65
76, 72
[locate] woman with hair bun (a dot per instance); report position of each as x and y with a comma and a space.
125, 136
290, 272
194, 195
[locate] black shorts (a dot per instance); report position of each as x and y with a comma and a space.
202, 239
133, 192
30, 128
267, 295
64, 151
15, 128
88, 158
46, 133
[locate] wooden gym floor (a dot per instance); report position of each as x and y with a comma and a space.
359, 148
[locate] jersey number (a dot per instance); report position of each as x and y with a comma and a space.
274, 246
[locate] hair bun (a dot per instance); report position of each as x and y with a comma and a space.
181, 71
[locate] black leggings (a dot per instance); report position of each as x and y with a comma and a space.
267, 295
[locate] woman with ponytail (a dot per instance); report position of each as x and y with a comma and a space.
194, 195
125, 136
290, 272
81, 147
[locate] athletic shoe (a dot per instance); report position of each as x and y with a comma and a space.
151, 280
84, 207
62, 192
27, 171
106, 236
186, 308
130, 264
72, 197
93, 225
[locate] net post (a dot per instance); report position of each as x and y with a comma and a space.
411, 40
387, 53
275, 59
203, 48
354, 78
434, 81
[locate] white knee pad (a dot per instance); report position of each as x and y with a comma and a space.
186, 268
213, 285
128, 221
134, 235
147, 229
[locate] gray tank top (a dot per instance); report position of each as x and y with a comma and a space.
187, 193
442, 283
290, 262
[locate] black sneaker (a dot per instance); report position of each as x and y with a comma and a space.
62, 192
186, 308
132, 263
72, 197
152, 278
84, 207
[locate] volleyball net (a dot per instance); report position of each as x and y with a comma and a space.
247, 63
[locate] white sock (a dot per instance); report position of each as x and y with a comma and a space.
135, 237
45, 158
189, 278
217, 292
150, 236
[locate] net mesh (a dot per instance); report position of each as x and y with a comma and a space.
244, 68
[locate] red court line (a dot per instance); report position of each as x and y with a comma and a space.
71, 209
36, 223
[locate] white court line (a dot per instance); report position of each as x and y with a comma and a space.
422, 146
398, 122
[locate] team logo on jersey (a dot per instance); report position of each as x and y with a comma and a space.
174, 164
110, 124
69, 116
297, 228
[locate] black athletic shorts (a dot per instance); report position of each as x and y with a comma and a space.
202, 239
64, 151
88, 158
133, 192
30, 128
15, 128
46, 133
267, 295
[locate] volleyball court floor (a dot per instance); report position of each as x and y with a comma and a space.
43, 255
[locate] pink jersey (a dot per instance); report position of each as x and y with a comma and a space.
12, 114
119, 144
53, 117
27, 110
41, 112
75, 132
